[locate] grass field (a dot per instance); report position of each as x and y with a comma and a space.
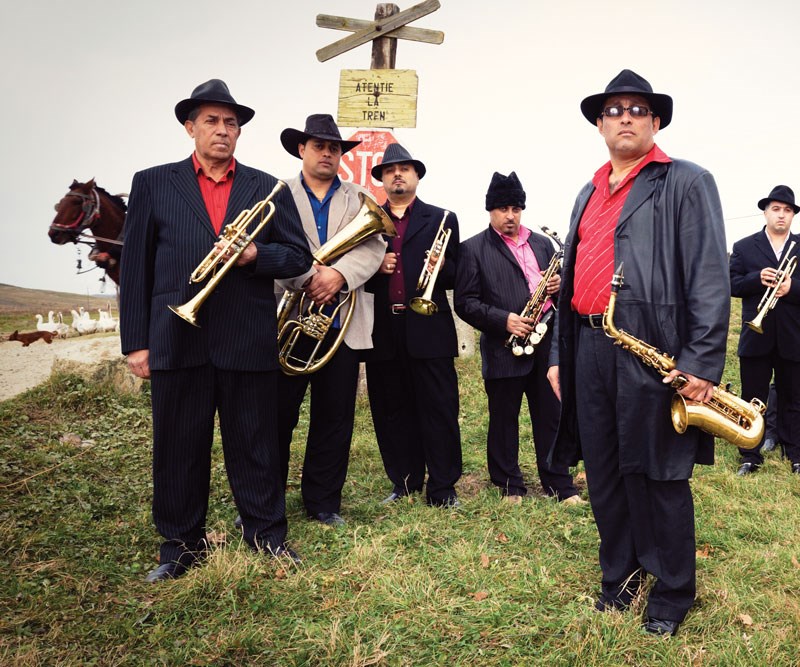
489, 584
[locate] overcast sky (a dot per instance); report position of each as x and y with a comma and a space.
89, 90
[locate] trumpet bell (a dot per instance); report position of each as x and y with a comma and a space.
188, 312
423, 306
755, 323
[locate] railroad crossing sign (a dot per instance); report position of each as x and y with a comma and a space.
378, 98
357, 164
390, 26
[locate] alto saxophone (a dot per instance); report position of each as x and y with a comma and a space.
724, 416
534, 309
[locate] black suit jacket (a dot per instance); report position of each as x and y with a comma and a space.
167, 234
782, 324
490, 284
427, 336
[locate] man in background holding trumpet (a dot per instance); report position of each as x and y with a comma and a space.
326, 205
771, 320
229, 364
498, 272
411, 377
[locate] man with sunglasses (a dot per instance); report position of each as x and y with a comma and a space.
662, 219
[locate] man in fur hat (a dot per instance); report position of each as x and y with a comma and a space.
326, 205
498, 271
411, 377
662, 219
754, 267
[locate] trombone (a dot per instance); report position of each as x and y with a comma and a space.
424, 305
770, 298
235, 239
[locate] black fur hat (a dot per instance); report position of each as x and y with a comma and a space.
505, 191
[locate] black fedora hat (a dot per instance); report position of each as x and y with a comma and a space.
781, 193
628, 81
319, 126
505, 191
396, 154
213, 91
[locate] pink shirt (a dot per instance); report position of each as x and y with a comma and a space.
524, 255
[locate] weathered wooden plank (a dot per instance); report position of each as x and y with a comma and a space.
406, 32
378, 98
378, 29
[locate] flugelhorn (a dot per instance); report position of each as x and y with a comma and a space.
534, 308
725, 416
311, 322
235, 239
770, 298
424, 305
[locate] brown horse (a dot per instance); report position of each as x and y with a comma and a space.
89, 208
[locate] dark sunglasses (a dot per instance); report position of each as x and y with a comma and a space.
636, 111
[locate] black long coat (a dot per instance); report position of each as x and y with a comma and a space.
676, 297
782, 324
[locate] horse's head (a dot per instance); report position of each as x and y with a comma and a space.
76, 211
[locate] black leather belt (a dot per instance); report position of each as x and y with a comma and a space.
398, 308
592, 321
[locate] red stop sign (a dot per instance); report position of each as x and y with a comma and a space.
357, 164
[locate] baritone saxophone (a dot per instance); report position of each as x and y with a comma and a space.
724, 416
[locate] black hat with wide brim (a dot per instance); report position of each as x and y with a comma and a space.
213, 91
318, 126
781, 193
630, 83
396, 154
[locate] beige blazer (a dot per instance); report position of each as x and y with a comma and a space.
357, 266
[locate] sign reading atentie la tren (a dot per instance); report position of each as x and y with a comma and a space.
378, 98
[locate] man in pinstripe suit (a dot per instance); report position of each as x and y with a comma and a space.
229, 364
497, 272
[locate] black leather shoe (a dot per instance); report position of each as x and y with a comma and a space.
796, 468
329, 518
746, 469
661, 626
237, 522
449, 503
283, 551
606, 604
769, 445
165, 572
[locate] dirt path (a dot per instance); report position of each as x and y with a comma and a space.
22, 368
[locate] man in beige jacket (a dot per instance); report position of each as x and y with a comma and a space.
326, 205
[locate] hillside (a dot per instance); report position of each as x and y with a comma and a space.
23, 300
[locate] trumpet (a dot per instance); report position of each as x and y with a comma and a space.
424, 305
770, 298
534, 309
311, 322
724, 416
235, 239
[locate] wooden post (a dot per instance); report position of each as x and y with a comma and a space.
384, 49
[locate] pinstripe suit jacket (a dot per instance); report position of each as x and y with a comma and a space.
167, 234
357, 265
490, 284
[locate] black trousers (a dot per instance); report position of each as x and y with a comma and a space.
414, 405
756, 373
502, 443
645, 525
330, 430
185, 402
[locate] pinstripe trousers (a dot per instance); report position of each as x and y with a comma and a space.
185, 402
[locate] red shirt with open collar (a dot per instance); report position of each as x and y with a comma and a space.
215, 193
594, 261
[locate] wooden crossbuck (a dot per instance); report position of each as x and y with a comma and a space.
366, 31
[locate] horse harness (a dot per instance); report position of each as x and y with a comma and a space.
90, 212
